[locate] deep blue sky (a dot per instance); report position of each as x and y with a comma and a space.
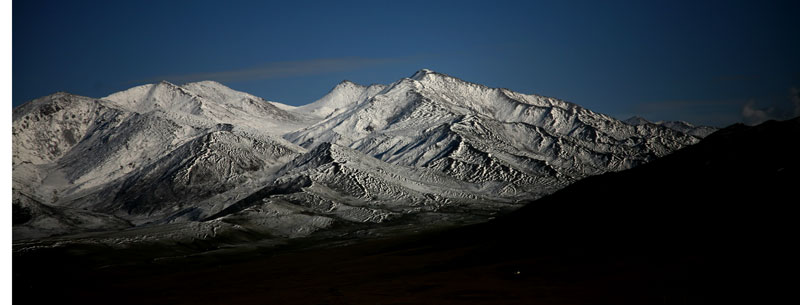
705, 63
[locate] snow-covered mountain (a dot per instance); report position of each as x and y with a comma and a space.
146, 153
342, 97
532, 144
207, 103
201, 159
684, 127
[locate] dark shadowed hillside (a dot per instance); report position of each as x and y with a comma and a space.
736, 186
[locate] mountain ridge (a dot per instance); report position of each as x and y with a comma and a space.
682, 126
429, 146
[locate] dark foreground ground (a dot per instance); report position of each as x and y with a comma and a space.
713, 223
406, 270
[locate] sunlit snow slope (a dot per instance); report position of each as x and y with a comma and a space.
203, 161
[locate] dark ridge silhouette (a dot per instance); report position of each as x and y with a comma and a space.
733, 186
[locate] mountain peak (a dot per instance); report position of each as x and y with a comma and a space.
347, 83
344, 95
167, 83
215, 90
422, 73
636, 120
207, 83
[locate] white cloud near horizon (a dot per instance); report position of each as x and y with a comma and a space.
720, 113
753, 115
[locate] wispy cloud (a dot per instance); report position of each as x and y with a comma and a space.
283, 69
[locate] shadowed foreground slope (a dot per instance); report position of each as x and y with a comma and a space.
709, 224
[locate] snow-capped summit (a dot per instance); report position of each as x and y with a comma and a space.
205, 102
160, 96
344, 96
419, 75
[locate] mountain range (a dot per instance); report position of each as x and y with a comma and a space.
200, 161
710, 223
